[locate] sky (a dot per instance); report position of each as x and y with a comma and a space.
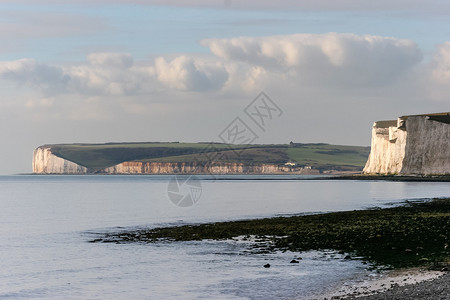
116, 71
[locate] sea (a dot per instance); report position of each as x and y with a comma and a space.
47, 223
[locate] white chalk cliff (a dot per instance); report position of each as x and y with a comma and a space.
45, 162
136, 167
411, 145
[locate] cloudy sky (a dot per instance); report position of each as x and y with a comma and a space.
135, 70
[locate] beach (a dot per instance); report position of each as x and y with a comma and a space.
412, 283
436, 288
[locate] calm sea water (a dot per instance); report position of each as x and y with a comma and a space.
47, 221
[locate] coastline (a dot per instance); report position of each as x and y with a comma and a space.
393, 284
414, 234
407, 244
428, 286
289, 176
404, 178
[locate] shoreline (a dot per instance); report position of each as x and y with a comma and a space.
294, 176
402, 178
386, 283
414, 234
427, 287
407, 245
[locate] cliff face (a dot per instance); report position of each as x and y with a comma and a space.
428, 148
412, 145
45, 162
193, 168
387, 148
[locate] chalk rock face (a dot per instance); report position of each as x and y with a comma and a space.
45, 162
412, 145
135, 167
387, 148
428, 148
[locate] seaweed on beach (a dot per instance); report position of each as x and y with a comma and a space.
414, 234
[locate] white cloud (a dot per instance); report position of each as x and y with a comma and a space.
29, 72
324, 58
111, 60
441, 64
103, 74
45, 102
111, 74
327, 63
186, 74
116, 74
436, 75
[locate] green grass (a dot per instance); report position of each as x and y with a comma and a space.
251, 155
99, 156
323, 154
412, 235
320, 156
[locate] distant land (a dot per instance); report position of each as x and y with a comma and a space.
198, 158
413, 145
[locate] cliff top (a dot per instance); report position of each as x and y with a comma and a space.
430, 115
385, 124
443, 117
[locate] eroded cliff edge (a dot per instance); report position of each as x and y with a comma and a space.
136, 167
45, 162
411, 145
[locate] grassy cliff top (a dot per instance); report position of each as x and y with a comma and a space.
320, 156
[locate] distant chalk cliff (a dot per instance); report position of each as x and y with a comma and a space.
46, 162
195, 168
411, 145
